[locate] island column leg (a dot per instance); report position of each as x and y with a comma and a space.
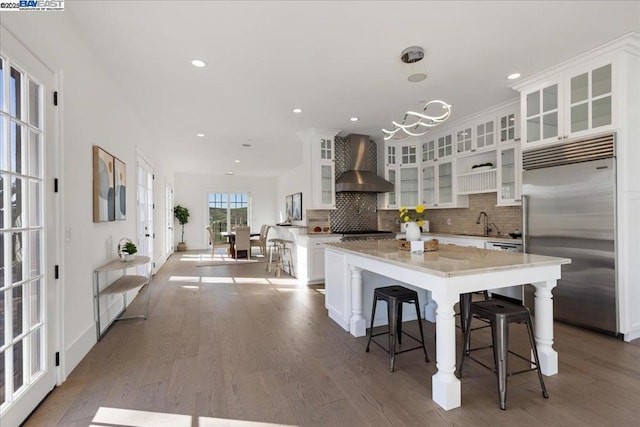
357, 324
445, 385
430, 308
544, 327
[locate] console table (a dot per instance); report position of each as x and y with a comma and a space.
121, 285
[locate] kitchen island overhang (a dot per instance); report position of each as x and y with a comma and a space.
446, 273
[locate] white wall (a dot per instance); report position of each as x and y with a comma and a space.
192, 190
92, 110
297, 180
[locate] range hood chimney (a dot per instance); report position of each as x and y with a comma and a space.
360, 178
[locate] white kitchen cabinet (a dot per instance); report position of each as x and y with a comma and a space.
464, 140
310, 259
577, 102
438, 186
390, 199
445, 145
319, 152
509, 175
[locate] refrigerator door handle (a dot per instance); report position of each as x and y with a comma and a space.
525, 222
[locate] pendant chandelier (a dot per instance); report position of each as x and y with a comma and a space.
418, 124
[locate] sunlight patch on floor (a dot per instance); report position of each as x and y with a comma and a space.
116, 417
191, 279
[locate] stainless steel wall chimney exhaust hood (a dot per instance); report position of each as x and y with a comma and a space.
360, 178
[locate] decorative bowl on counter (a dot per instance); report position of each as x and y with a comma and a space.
429, 245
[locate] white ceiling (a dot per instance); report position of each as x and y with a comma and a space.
334, 59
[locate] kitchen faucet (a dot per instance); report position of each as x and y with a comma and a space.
486, 222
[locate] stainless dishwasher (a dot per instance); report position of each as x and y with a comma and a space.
514, 293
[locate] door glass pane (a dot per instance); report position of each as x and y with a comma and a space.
17, 295
580, 117
36, 351
35, 203
3, 270
428, 185
1, 98
391, 177
17, 150
16, 257
550, 98
601, 81
2, 377
325, 182
35, 261
409, 186
18, 370
35, 302
34, 103
533, 129
15, 93
218, 215
601, 112
445, 183
17, 203
550, 125
35, 160
238, 204
580, 88
508, 173
2, 326
2, 209
533, 104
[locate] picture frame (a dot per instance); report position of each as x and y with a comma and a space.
120, 189
297, 207
103, 182
289, 206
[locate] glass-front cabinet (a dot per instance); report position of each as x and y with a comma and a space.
445, 146
320, 155
509, 174
463, 140
437, 184
574, 104
390, 174
409, 186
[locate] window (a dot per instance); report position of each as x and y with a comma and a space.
226, 211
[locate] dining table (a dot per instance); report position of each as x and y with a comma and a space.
231, 238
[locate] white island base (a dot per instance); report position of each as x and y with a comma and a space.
446, 273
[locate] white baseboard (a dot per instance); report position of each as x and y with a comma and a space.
633, 335
77, 350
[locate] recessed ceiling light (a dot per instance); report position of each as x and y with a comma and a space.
354, 119
513, 76
297, 110
246, 145
200, 134
230, 173
198, 63
236, 161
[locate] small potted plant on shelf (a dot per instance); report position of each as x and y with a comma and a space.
128, 249
182, 215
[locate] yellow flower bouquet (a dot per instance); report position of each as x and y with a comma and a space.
413, 216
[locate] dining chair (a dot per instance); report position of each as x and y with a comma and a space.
261, 241
243, 241
214, 244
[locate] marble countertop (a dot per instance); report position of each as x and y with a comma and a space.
448, 260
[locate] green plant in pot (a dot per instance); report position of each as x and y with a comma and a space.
182, 215
129, 249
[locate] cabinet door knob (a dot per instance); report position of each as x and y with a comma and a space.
559, 138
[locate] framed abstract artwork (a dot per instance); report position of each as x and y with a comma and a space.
297, 207
120, 187
289, 206
103, 181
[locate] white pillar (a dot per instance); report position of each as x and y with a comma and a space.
357, 323
544, 327
446, 386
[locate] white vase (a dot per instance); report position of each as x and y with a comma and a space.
412, 231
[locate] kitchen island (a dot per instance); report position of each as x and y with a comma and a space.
446, 273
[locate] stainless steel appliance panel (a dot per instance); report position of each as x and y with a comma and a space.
570, 212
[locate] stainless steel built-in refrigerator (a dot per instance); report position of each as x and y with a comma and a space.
569, 209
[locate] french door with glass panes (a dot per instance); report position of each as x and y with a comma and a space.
226, 211
28, 216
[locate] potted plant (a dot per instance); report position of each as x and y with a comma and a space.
182, 215
128, 248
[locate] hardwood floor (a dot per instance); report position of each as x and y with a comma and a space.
235, 343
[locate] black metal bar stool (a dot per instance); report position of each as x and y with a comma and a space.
395, 296
465, 315
501, 314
